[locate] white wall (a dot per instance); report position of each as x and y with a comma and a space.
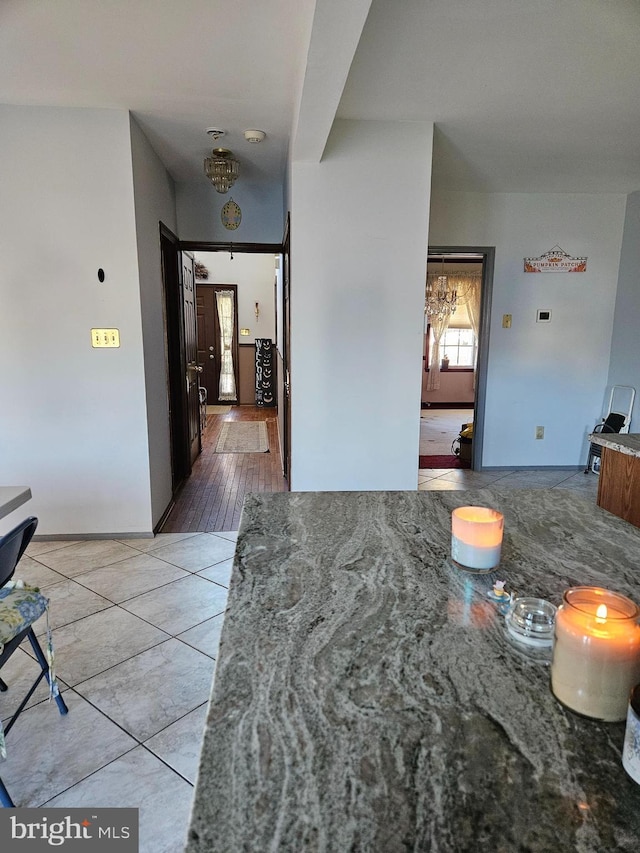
73, 419
154, 194
541, 374
624, 368
358, 255
255, 276
199, 207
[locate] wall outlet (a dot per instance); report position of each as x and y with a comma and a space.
539, 432
506, 321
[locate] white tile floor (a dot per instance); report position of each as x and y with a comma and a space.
545, 478
136, 626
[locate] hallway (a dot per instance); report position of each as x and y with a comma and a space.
211, 499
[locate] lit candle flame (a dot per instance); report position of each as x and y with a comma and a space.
601, 613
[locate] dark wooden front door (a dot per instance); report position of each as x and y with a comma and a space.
193, 369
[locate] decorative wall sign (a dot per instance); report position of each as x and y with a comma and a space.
555, 260
265, 375
231, 215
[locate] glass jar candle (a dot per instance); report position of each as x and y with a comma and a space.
476, 537
596, 652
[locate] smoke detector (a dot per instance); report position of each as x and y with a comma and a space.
254, 135
215, 132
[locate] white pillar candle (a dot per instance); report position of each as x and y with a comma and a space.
476, 537
596, 652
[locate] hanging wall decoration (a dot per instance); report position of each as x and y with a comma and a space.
231, 215
200, 270
555, 260
265, 378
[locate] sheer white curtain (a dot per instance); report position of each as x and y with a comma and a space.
439, 325
226, 314
473, 289
467, 288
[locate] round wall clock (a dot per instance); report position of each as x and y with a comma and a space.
231, 215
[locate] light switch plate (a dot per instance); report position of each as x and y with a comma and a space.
105, 338
245, 331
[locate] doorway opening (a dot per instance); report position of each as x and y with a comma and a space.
237, 333
456, 337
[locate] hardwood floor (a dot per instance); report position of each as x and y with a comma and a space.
212, 497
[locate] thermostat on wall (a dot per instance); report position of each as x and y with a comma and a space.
543, 315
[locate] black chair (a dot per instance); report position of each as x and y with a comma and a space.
20, 607
614, 422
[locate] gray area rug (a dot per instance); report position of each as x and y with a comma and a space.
243, 437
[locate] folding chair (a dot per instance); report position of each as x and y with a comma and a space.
617, 419
20, 607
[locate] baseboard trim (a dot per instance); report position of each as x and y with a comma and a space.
77, 537
531, 468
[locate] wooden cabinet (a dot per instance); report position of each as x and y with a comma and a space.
619, 485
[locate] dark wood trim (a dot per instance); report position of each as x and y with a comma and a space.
174, 332
453, 369
453, 405
247, 248
435, 257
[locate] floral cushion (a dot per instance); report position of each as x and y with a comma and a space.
20, 606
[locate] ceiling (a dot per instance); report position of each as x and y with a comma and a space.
526, 95
180, 68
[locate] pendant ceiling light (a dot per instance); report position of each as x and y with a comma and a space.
221, 169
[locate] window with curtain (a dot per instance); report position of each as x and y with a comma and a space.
226, 317
459, 346
455, 335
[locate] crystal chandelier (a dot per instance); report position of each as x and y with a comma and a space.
221, 169
441, 298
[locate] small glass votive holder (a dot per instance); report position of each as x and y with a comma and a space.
530, 623
476, 538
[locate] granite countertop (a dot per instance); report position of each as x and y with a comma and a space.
11, 497
368, 699
625, 443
